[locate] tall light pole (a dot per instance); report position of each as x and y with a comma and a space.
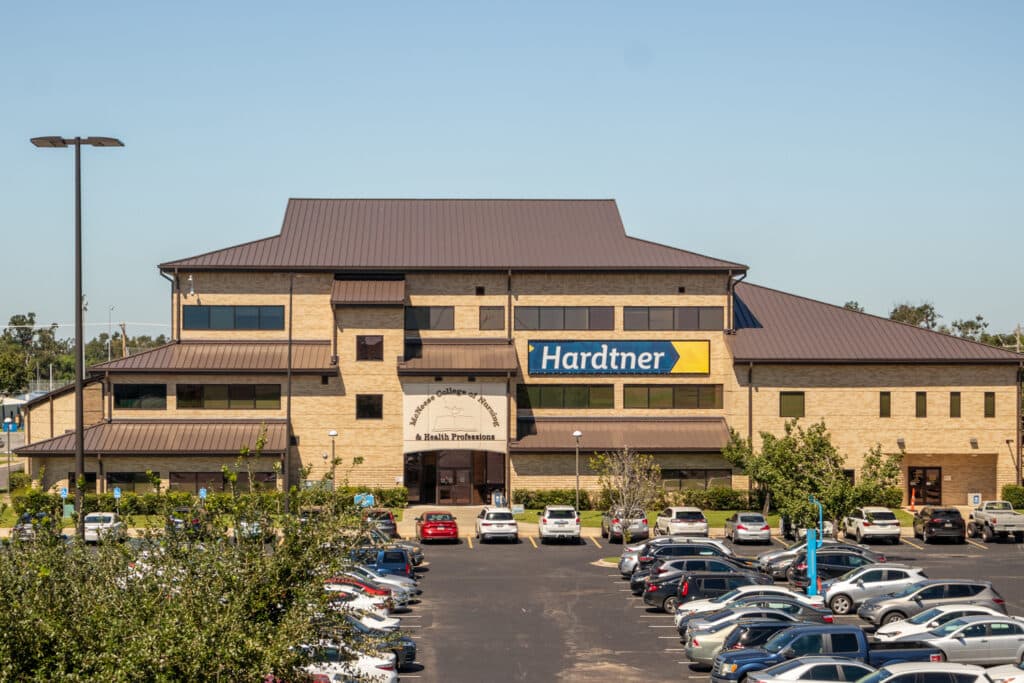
576, 435
333, 434
109, 327
77, 142
7, 430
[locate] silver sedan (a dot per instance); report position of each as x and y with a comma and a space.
748, 527
812, 670
977, 640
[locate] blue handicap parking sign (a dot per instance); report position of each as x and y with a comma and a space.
365, 500
202, 494
64, 492
117, 492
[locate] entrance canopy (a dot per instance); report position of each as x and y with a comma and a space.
649, 434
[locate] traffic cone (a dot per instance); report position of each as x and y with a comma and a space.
912, 496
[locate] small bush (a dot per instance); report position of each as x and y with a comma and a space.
714, 498
34, 500
20, 480
1014, 494
539, 498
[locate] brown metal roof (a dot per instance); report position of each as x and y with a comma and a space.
166, 437
368, 292
649, 434
60, 391
311, 357
460, 357
467, 234
773, 326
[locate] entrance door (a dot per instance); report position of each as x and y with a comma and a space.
454, 485
925, 485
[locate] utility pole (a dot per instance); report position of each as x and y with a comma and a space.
124, 340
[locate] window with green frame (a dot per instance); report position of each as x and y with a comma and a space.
954, 404
229, 396
791, 404
672, 396
990, 404
563, 396
885, 404
921, 404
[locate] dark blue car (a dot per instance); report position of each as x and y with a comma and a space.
394, 561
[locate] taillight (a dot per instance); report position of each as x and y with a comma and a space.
615, 521
936, 521
826, 618
694, 642
651, 587
645, 521
866, 523
646, 558
577, 520
408, 568
740, 527
543, 520
766, 528
737, 646
881, 558
386, 667
684, 589
937, 657
802, 566
999, 601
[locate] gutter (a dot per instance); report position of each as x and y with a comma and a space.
731, 329
174, 304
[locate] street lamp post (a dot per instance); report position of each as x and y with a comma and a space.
333, 434
77, 142
7, 431
576, 435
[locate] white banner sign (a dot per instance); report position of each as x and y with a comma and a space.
467, 416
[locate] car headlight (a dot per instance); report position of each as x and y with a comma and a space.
730, 668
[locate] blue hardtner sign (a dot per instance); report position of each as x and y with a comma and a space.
629, 357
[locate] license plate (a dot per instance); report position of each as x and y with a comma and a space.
561, 523
948, 525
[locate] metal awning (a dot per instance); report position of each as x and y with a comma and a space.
463, 357
368, 293
648, 434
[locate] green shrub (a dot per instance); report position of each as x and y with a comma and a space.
714, 498
1014, 494
539, 498
20, 480
34, 500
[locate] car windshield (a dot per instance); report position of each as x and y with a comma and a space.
876, 677
726, 597
949, 627
689, 515
439, 517
500, 516
925, 616
885, 516
98, 519
751, 519
562, 514
778, 641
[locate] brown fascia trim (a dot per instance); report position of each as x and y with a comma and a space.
457, 371
225, 371
875, 361
151, 454
284, 269
646, 449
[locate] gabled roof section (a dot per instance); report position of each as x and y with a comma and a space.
167, 437
452, 234
311, 357
776, 327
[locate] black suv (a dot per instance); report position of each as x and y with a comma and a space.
753, 634
935, 522
704, 585
831, 563
638, 582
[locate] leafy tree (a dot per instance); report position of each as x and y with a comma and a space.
970, 329
922, 315
630, 480
879, 479
853, 306
14, 373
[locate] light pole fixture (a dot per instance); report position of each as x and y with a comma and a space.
77, 142
576, 435
7, 431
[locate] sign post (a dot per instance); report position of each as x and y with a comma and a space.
202, 496
117, 499
69, 510
814, 541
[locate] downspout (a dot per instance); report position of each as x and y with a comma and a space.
508, 314
110, 396
174, 303
731, 328
750, 404
1020, 416
286, 466
508, 437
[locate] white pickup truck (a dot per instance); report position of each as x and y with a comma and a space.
995, 519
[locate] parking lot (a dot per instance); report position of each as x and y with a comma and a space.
535, 612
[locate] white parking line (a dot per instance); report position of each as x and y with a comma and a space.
668, 637
675, 649
659, 626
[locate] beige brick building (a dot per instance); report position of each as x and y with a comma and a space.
455, 346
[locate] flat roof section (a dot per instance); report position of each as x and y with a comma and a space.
166, 437
650, 434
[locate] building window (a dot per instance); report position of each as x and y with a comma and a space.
137, 482
90, 482
480, 291
430, 317
922, 404
990, 404
791, 404
370, 347
564, 318
492, 317
672, 396
560, 396
954, 404
140, 396
228, 396
369, 406
232, 317
707, 318
885, 404
215, 481
679, 480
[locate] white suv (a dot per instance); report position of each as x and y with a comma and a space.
870, 523
681, 521
559, 521
495, 522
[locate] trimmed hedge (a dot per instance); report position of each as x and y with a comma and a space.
714, 498
1014, 494
539, 498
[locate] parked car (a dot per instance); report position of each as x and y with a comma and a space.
192, 523
559, 521
812, 670
931, 618
1007, 673
832, 562
995, 519
497, 523
254, 529
104, 526
663, 569
920, 672
789, 532
630, 553
727, 598
672, 550
621, 526
704, 637
872, 524
392, 560
681, 521
981, 639
407, 583
847, 591
437, 525
918, 597
748, 527
703, 646
761, 607
340, 662
776, 562
346, 599
403, 647
31, 524
383, 519
827, 639
936, 522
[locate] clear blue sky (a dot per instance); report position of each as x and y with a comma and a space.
870, 151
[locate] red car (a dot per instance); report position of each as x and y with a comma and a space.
437, 525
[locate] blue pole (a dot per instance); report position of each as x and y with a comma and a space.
812, 562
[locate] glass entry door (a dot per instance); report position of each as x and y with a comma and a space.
924, 485
454, 485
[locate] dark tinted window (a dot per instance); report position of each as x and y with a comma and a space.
960, 590
932, 592
921, 404
393, 556
492, 317
874, 575
714, 584
852, 672
430, 318
954, 404
140, 396
990, 404
822, 672
370, 347
369, 406
885, 404
791, 404
809, 644
233, 317
845, 642
564, 317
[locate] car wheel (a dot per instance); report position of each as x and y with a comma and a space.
893, 617
841, 604
670, 603
860, 536
1018, 536
604, 533
925, 537
515, 539
986, 534
961, 539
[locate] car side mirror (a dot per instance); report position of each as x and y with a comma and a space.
788, 652
860, 582
917, 599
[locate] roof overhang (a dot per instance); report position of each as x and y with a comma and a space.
645, 434
460, 357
